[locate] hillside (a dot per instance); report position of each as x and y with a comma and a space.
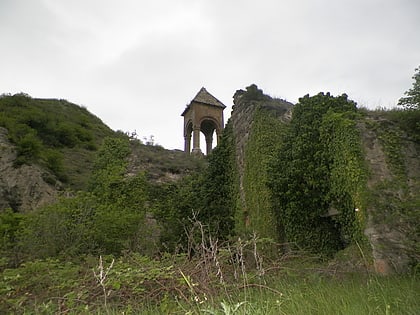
49, 146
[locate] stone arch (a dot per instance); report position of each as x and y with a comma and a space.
204, 114
188, 130
208, 126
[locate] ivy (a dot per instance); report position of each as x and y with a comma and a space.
348, 173
218, 188
309, 175
265, 139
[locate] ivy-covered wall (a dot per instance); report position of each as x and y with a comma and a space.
258, 122
391, 151
329, 177
265, 139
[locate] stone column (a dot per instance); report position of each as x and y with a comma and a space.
187, 146
196, 140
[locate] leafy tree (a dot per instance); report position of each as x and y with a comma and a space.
412, 98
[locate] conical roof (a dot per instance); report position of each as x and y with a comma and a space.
206, 98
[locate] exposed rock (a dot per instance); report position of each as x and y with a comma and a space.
390, 233
23, 188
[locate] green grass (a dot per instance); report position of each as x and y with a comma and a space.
351, 295
174, 285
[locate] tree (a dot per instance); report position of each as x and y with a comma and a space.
412, 98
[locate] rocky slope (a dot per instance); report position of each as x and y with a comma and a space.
23, 188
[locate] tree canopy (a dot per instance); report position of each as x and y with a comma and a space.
411, 100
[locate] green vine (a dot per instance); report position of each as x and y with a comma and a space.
348, 173
264, 141
318, 176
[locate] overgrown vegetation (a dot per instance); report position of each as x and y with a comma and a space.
208, 196
318, 173
44, 130
108, 219
133, 241
236, 279
265, 139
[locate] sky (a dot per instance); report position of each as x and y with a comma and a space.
136, 64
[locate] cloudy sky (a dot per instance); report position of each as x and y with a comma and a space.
137, 64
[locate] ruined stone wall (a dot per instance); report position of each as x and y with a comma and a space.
255, 138
393, 187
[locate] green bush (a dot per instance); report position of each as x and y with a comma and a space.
28, 149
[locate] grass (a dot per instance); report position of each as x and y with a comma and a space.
355, 294
173, 284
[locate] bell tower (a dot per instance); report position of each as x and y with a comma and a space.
204, 114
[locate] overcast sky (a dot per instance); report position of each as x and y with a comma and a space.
137, 64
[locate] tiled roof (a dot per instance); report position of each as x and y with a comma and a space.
204, 97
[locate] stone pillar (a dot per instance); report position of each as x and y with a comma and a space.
196, 140
187, 146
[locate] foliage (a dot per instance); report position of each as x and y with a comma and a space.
175, 204
172, 284
65, 228
42, 286
207, 196
44, 129
265, 139
306, 180
407, 120
218, 189
9, 229
110, 165
412, 98
347, 173
158, 162
109, 219
252, 93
